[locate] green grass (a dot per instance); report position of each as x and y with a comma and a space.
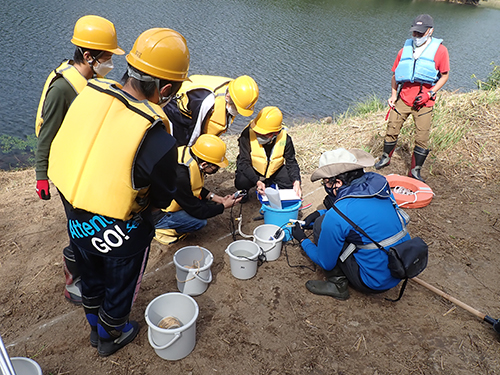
367, 106
19, 153
492, 81
9, 144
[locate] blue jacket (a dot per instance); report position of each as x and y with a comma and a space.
368, 202
422, 70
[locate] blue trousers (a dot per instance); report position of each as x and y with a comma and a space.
181, 221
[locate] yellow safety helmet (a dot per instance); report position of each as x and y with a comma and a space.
161, 53
212, 149
267, 121
244, 92
94, 32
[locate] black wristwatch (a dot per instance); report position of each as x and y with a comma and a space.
432, 95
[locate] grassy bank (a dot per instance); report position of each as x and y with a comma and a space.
490, 4
465, 136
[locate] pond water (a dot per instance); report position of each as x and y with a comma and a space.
311, 58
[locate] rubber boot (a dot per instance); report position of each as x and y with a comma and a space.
92, 318
417, 161
385, 159
115, 335
72, 289
335, 285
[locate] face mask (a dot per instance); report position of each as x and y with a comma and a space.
211, 172
419, 41
104, 68
263, 140
331, 191
232, 110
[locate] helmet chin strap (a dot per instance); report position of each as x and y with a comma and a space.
164, 100
94, 59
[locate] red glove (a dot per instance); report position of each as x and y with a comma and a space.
421, 99
42, 189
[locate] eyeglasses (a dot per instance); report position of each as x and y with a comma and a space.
328, 181
213, 167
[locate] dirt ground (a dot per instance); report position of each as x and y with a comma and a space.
269, 324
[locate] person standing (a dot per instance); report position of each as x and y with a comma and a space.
420, 70
96, 42
209, 105
266, 155
193, 203
114, 163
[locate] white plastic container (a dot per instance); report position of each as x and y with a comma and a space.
192, 265
274, 197
25, 366
263, 236
243, 256
176, 343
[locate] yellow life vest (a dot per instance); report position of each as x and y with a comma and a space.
195, 175
217, 123
71, 75
267, 167
92, 157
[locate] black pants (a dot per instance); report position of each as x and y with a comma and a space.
112, 281
280, 178
351, 270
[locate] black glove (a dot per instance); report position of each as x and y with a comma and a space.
298, 232
420, 101
310, 218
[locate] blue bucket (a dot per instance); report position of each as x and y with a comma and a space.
290, 210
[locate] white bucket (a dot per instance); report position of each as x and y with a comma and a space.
25, 366
192, 265
174, 343
263, 236
243, 256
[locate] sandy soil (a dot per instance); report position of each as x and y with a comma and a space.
269, 324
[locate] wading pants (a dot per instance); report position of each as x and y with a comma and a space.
422, 119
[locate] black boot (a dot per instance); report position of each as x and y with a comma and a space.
417, 161
91, 313
335, 285
115, 336
385, 159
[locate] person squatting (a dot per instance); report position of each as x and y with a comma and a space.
164, 128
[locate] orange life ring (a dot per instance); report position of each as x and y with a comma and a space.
409, 192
